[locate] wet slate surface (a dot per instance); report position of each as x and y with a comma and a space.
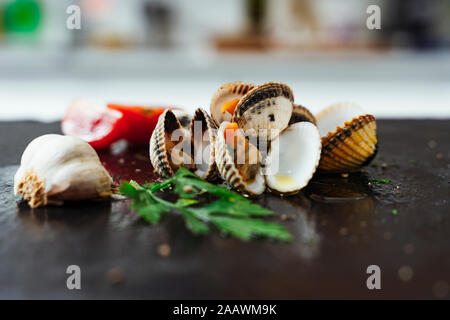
334, 242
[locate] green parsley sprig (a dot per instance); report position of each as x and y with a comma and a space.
229, 212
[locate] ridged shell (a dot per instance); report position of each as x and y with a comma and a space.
352, 145
266, 107
227, 92
228, 169
161, 146
301, 113
184, 117
208, 127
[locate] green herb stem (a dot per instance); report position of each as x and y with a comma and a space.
231, 213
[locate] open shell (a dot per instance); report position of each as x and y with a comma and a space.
170, 145
301, 113
203, 133
266, 110
293, 158
184, 117
226, 93
348, 137
244, 173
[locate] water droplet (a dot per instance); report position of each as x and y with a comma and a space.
405, 273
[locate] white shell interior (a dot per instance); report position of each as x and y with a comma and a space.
293, 157
258, 185
329, 119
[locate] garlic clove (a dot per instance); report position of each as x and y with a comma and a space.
55, 168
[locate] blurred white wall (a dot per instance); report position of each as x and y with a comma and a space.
38, 80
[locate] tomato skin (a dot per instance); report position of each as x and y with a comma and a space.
140, 120
101, 126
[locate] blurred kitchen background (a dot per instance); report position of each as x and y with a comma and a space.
178, 52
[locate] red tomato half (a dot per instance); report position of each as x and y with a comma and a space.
99, 126
141, 121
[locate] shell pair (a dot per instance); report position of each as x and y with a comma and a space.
348, 137
287, 167
266, 112
348, 133
173, 146
266, 109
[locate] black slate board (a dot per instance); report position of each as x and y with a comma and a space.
334, 242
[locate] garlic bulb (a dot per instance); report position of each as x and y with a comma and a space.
55, 168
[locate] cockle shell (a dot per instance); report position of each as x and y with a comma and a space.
293, 158
301, 113
203, 132
55, 168
226, 93
170, 145
348, 137
184, 117
239, 165
290, 163
266, 110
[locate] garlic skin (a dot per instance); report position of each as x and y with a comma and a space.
55, 168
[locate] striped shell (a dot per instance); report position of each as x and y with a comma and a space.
203, 131
225, 160
184, 117
227, 92
265, 109
167, 145
301, 113
352, 143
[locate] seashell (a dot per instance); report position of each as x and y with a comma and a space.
170, 145
348, 137
239, 164
284, 170
266, 109
301, 113
226, 93
293, 158
182, 116
203, 132
55, 168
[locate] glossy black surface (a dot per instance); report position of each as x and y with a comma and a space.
340, 225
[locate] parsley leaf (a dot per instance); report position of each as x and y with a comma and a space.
244, 228
202, 204
378, 181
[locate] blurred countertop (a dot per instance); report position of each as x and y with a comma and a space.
39, 84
